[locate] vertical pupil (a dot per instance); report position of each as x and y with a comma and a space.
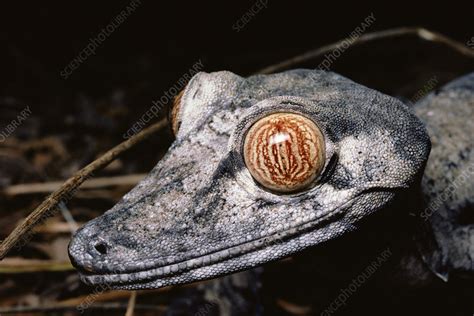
284, 151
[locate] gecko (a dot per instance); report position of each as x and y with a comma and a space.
268, 166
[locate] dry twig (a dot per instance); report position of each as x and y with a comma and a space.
48, 187
131, 304
396, 32
20, 265
64, 308
50, 204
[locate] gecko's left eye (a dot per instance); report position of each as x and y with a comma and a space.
284, 152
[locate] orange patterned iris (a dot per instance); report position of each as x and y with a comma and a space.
284, 152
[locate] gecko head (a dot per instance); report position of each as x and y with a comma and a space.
261, 168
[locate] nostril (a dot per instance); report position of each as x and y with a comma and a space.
101, 247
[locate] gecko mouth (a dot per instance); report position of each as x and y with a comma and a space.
240, 257
237, 258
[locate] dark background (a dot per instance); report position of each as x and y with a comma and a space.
88, 113
160, 40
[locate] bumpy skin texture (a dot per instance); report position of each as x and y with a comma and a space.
199, 214
447, 238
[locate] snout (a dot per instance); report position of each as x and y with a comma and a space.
98, 247
89, 251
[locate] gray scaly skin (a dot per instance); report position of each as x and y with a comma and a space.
199, 214
446, 237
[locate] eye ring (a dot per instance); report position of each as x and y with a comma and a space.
284, 152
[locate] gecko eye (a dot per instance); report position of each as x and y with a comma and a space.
174, 111
284, 152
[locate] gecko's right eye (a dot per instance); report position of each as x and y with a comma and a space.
284, 152
174, 112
